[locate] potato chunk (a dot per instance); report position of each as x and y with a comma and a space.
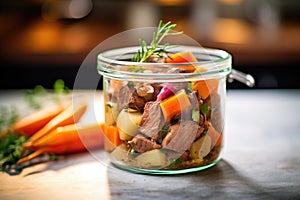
128, 123
201, 147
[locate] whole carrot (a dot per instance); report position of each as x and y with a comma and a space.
66, 117
65, 140
34, 121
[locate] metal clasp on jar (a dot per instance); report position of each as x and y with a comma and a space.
247, 79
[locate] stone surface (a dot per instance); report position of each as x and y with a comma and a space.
261, 160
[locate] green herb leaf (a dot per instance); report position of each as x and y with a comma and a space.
130, 84
204, 109
33, 97
190, 86
7, 117
53, 157
195, 115
36, 97
164, 130
154, 48
204, 133
175, 161
135, 69
11, 149
60, 87
109, 105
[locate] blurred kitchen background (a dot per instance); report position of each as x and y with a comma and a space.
45, 40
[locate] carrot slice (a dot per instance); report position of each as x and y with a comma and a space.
183, 57
116, 84
180, 57
216, 137
206, 87
112, 137
31, 123
175, 104
68, 116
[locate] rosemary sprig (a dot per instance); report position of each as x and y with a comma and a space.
154, 48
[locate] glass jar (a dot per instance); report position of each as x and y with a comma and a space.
164, 118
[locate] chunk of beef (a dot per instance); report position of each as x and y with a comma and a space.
141, 144
185, 156
215, 112
180, 85
129, 98
157, 59
125, 94
181, 139
136, 102
152, 119
173, 131
199, 132
200, 100
194, 100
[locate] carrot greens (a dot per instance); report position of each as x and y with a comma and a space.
11, 149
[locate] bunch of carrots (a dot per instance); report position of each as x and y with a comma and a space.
56, 130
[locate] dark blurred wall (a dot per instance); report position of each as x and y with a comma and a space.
42, 41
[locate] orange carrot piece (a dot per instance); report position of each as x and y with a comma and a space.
112, 135
32, 156
206, 87
71, 136
175, 104
180, 57
68, 116
183, 57
216, 137
116, 84
201, 69
67, 139
31, 123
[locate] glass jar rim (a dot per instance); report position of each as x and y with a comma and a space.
116, 63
